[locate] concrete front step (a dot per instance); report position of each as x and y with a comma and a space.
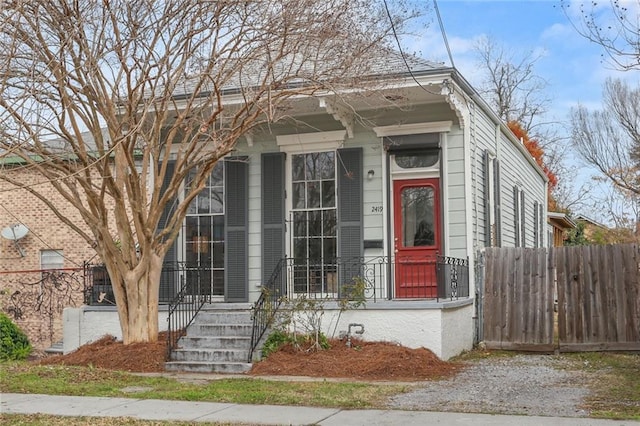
220, 330
218, 341
221, 342
209, 367
210, 355
224, 317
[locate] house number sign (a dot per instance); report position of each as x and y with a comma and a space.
376, 209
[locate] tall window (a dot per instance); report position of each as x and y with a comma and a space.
204, 236
314, 222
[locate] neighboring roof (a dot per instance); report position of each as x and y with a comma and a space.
587, 220
58, 145
561, 220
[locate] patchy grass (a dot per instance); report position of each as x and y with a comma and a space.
615, 383
477, 354
45, 420
21, 377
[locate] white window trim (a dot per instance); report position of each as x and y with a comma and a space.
311, 142
412, 129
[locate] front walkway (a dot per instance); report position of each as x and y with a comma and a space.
264, 414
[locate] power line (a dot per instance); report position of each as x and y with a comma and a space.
443, 32
404, 59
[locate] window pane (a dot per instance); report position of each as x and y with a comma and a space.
193, 207
327, 165
218, 255
299, 224
298, 196
315, 248
328, 193
313, 194
329, 222
329, 250
300, 248
297, 168
192, 235
217, 175
217, 200
315, 223
412, 161
203, 202
218, 283
311, 162
218, 228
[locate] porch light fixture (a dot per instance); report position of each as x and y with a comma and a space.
370, 174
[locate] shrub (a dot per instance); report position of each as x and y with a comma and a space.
274, 341
14, 344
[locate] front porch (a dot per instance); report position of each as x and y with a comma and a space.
434, 309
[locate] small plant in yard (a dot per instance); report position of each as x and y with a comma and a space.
300, 323
14, 344
274, 342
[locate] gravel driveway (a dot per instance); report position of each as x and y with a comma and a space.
521, 384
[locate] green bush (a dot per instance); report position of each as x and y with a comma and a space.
14, 344
274, 341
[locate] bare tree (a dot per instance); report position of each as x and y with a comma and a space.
511, 85
609, 139
614, 26
94, 95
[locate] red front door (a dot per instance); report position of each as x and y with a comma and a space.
416, 205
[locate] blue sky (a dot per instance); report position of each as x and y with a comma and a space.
572, 66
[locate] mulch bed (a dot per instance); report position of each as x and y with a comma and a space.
362, 361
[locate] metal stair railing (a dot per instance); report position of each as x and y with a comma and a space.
264, 310
183, 309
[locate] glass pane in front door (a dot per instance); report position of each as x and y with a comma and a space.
417, 216
417, 237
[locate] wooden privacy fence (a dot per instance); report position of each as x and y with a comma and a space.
597, 290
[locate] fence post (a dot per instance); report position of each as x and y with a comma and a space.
479, 288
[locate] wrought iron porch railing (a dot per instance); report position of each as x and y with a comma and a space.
264, 310
376, 277
98, 290
366, 278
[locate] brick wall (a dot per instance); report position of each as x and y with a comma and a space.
34, 303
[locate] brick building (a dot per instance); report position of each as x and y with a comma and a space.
41, 273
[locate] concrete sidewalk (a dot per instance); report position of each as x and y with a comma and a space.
12, 403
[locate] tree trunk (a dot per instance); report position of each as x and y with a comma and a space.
136, 293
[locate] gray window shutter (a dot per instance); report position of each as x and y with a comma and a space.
236, 218
541, 218
536, 224
487, 201
350, 233
516, 215
523, 234
497, 206
169, 276
273, 212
